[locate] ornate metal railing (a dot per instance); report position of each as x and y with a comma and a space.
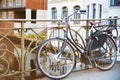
17, 51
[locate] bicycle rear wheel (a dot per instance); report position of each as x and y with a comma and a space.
47, 62
105, 58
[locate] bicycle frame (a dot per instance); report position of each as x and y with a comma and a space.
71, 41
92, 38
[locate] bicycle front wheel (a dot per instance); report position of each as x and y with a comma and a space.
105, 56
55, 67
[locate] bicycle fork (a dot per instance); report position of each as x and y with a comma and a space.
59, 55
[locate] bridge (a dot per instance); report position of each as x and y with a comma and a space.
18, 47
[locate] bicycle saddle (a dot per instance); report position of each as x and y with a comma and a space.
94, 23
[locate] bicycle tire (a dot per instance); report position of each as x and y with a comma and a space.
105, 60
47, 63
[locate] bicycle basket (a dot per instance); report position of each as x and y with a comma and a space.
106, 26
100, 42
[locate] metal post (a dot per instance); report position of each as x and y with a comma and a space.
87, 31
58, 28
87, 35
22, 51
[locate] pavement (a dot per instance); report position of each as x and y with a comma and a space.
93, 74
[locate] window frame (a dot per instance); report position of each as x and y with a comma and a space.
94, 11
76, 15
100, 10
54, 13
88, 10
114, 2
64, 12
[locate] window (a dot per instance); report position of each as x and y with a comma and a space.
114, 2
17, 3
88, 11
76, 15
3, 3
33, 15
10, 15
54, 13
94, 10
9, 3
100, 12
4, 15
64, 12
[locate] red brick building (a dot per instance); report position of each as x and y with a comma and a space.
21, 9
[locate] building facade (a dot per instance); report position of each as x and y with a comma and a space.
58, 9
96, 9
102, 8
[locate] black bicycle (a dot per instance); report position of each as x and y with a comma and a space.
56, 57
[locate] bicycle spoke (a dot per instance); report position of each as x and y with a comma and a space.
105, 59
53, 62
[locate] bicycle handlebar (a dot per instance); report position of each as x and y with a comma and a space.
75, 11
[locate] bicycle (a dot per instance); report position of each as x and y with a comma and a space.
56, 57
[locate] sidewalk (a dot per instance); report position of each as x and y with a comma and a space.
94, 74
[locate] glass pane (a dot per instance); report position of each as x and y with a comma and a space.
65, 12
10, 15
54, 13
9, 3
76, 15
4, 15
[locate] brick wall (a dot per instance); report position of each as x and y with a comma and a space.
6, 27
36, 4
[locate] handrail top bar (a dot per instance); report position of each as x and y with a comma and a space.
46, 20
27, 20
